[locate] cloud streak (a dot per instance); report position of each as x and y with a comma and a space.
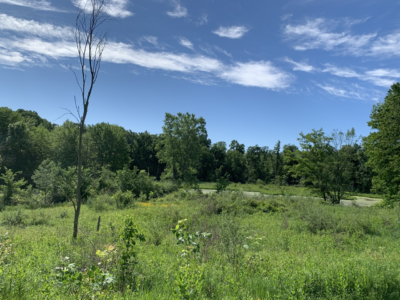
44, 41
233, 32
10, 23
317, 34
178, 12
300, 66
186, 43
378, 77
114, 8
38, 4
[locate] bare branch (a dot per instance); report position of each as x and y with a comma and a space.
67, 113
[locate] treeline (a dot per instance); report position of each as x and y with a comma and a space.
182, 152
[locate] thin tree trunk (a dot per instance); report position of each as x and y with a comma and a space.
79, 184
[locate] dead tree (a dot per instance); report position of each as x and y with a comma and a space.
90, 38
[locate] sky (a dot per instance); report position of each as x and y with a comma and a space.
256, 71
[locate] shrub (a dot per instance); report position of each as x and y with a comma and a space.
222, 184
14, 218
11, 187
260, 183
124, 199
101, 202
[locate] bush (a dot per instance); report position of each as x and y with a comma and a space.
124, 199
101, 203
14, 217
260, 183
222, 184
11, 187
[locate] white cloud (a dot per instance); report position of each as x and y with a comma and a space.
317, 34
178, 12
233, 32
384, 73
378, 77
34, 50
301, 66
150, 39
203, 19
35, 4
185, 43
341, 72
114, 8
10, 58
35, 28
259, 74
388, 45
223, 51
340, 92
286, 16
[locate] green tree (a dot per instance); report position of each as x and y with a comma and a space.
236, 162
109, 146
45, 177
181, 145
324, 163
289, 160
10, 187
143, 153
65, 144
255, 156
383, 145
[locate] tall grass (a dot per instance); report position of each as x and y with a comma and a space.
303, 249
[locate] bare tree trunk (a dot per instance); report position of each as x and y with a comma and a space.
90, 43
79, 184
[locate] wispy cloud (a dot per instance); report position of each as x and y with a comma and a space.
35, 4
223, 51
34, 28
39, 46
186, 43
114, 8
286, 16
233, 32
203, 19
318, 34
340, 92
378, 77
179, 11
11, 58
388, 45
391, 73
300, 66
150, 39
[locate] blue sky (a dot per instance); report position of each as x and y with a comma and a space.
257, 71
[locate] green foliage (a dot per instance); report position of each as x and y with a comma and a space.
136, 182
14, 218
190, 240
109, 146
130, 233
181, 145
124, 199
101, 202
325, 163
10, 187
383, 145
222, 183
45, 177
92, 282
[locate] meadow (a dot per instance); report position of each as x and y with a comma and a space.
226, 246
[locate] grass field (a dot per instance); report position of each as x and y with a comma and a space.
280, 248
